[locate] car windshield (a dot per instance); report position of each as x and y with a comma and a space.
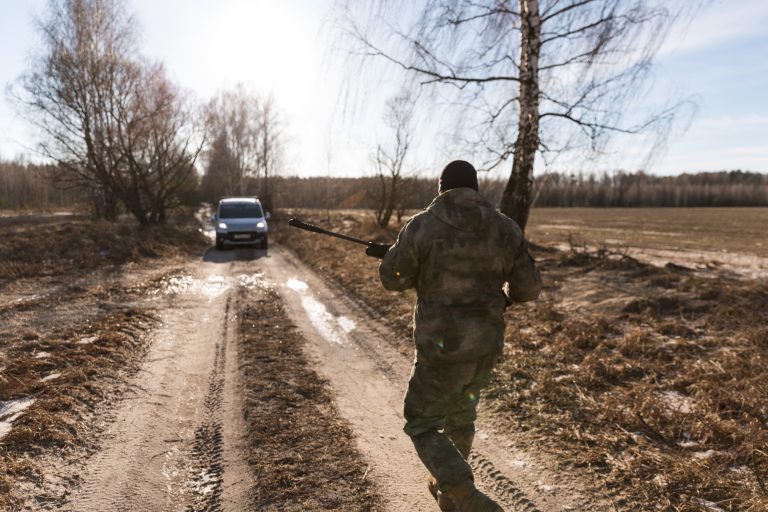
239, 211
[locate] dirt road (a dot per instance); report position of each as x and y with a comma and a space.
177, 442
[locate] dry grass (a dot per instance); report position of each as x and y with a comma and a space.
660, 391
39, 247
55, 421
301, 452
664, 397
71, 346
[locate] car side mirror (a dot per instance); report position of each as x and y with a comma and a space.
267, 215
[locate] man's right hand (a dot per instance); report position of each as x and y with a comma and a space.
377, 250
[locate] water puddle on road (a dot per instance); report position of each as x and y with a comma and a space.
331, 327
10, 411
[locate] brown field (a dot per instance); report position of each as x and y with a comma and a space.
649, 378
741, 231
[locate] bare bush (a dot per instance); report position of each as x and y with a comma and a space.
391, 193
112, 122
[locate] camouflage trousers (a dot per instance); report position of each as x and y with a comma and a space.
440, 412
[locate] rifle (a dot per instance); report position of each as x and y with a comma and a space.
296, 223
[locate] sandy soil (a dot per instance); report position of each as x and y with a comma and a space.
177, 440
178, 431
369, 376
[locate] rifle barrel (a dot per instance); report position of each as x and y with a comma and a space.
296, 223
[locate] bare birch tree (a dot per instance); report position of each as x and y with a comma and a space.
166, 149
271, 151
247, 144
533, 76
390, 157
233, 122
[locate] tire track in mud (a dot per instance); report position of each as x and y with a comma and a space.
208, 450
503, 488
166, 445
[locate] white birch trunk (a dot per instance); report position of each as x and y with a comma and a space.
516, 199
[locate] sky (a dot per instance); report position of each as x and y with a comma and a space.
287, 48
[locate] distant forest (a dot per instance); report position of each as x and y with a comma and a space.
708, 189
25, 186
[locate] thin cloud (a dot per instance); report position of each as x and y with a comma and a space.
724, 22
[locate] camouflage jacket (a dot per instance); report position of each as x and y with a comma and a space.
462, 256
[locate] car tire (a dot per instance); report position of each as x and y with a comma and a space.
264, 243
219, 243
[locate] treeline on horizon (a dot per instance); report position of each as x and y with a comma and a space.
28, 186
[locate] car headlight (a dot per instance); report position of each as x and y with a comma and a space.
260, 225
222, 225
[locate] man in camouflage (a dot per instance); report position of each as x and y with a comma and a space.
466, 261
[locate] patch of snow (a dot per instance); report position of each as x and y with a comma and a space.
42, 355
687, 442
332, 328
50, 377
546, 488
251, 281
88, 340
323, 321
709, 505
295, 284
10, 411
212, 287
707, 454
347, 324
678, 401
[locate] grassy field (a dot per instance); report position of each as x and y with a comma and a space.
734, 230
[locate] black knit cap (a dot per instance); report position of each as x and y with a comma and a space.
458, 174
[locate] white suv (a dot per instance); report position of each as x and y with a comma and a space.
240, 221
